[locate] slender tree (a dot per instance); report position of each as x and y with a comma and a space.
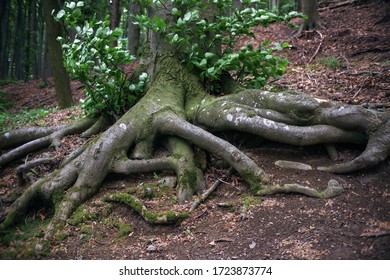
4, 38
19, 42
312, 20
61, 77
115, 16
133, 30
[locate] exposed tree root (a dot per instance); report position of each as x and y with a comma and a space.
178, 113
34, 139
154, 218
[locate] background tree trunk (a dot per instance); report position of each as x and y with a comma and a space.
61, 78
4, 38
19, 42
309, 9
115, 16
133, 31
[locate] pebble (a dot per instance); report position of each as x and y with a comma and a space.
293, 165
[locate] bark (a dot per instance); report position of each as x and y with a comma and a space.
61, 77
4, 37
19, 42
310, 10
133, 31
115, 16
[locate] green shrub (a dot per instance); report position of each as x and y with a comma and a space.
332, 63
196, 38
94, 59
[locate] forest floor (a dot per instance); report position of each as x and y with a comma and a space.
348, 61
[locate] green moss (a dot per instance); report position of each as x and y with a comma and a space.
253, 180
62, 235
57, 198
81, 215
124, 229
248, 201
21, 243
151, 217
189, 178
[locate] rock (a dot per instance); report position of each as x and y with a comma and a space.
38, 247
169, 181
151, 248
293, 165
334, 188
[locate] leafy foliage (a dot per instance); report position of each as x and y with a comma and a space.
94, 59
198, 39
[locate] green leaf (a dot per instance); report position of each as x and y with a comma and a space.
176, 12
209, 55
60, 14
71, 5
175, 38
117, 32
159, 22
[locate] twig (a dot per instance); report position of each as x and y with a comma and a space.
346, 60
210, 190
379, 234
318, 48
359, 90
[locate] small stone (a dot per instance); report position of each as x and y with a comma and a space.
83, 236
169, 181
252, 245
293, 165
151, 248
38, 247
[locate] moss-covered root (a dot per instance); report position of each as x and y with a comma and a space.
154, 218
190, 178
73, 198
377, 150
334, 189
171, 124
49, 189
36, 144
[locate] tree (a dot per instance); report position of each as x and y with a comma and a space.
133, 31
61, 78
180, 110
310, 11
4, 19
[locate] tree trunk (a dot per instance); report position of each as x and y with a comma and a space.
61, 77
19, 42
133, 31
115, 16
33, 44
310, 9
4, 37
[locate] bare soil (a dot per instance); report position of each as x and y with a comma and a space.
354, 225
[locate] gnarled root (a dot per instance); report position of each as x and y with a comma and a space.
34, 139
301, 120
